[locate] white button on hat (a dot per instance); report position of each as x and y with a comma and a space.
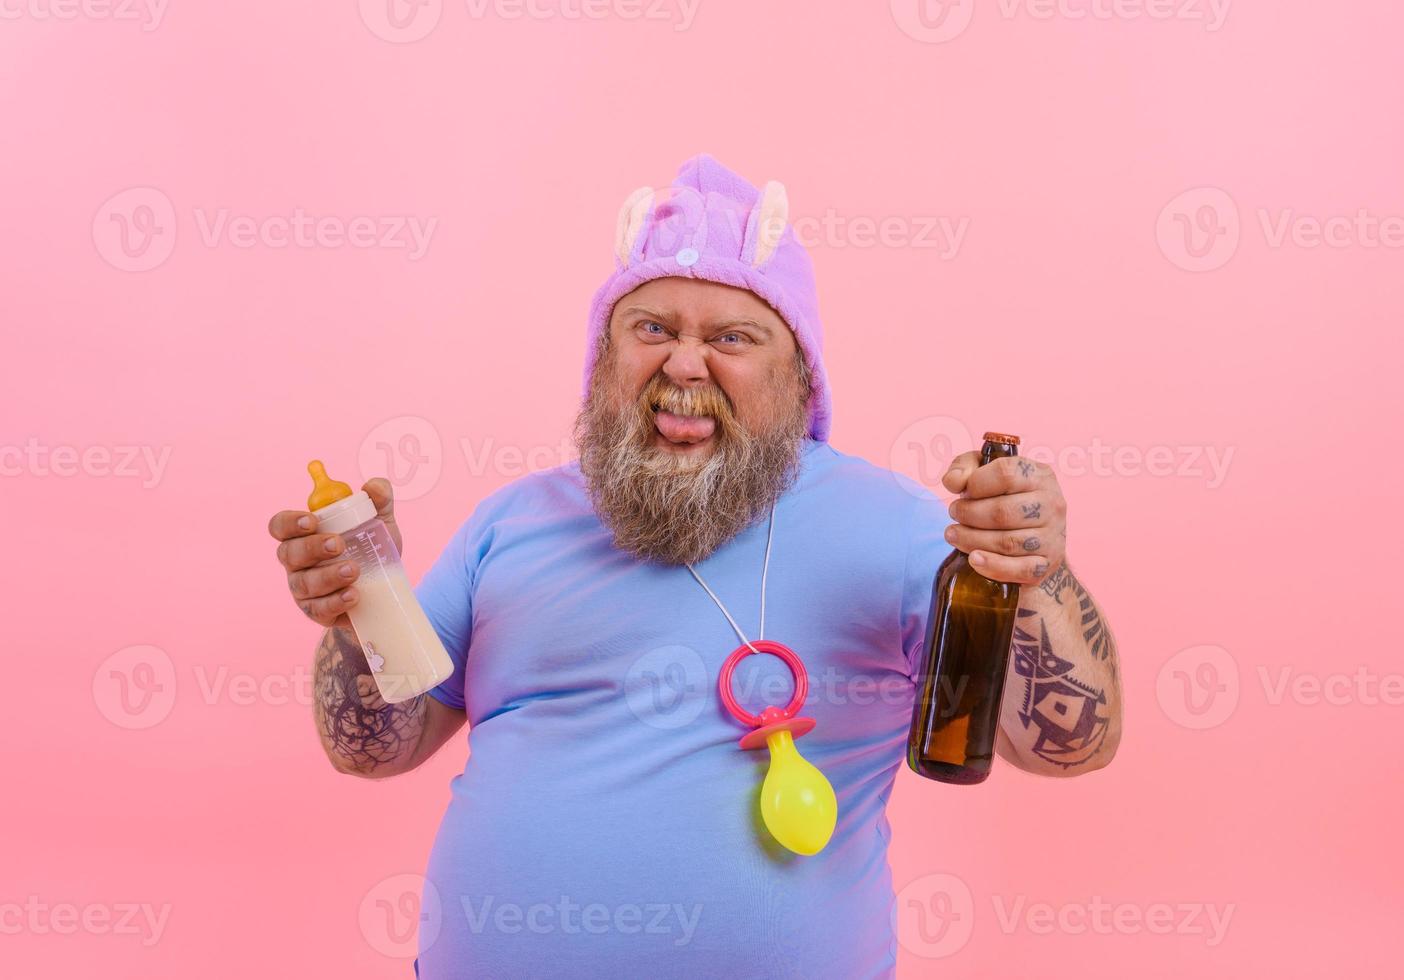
687, 256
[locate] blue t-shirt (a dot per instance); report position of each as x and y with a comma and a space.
606, 823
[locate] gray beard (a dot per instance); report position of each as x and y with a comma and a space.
674, 510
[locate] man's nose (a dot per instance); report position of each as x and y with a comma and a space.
686, 365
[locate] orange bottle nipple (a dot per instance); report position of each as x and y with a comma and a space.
325, 490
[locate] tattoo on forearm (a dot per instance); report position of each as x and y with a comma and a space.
1057, 582
1094, 630
1070, 717
356, 725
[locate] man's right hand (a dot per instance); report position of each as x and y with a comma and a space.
321, 580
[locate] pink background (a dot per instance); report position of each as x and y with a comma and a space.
1075, 311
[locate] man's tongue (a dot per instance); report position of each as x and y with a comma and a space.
684, 428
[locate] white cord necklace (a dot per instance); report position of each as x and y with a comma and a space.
765, 570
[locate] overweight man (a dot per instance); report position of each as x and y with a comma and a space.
606, 822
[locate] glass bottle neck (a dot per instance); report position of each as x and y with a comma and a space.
995, 450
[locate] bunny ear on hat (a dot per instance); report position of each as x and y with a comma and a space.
766, 224
631, 222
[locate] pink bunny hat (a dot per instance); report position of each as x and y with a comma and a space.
711, 224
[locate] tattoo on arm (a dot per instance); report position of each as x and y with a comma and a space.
1069, 717
1094, 630
358, 728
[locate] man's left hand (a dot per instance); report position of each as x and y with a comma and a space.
1011, 517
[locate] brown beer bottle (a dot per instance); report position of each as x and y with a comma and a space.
966, 655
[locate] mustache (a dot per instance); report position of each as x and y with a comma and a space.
662, 395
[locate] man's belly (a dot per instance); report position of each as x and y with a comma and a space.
668, 873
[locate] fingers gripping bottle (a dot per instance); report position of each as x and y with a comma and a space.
966, 656
404, 653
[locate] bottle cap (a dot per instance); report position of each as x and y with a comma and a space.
1001, 437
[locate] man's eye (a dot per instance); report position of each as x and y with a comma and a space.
651, 323
736, 338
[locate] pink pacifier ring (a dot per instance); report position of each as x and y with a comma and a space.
772, 719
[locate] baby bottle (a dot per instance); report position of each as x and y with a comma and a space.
405, 655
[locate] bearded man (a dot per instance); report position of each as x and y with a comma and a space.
607, 822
